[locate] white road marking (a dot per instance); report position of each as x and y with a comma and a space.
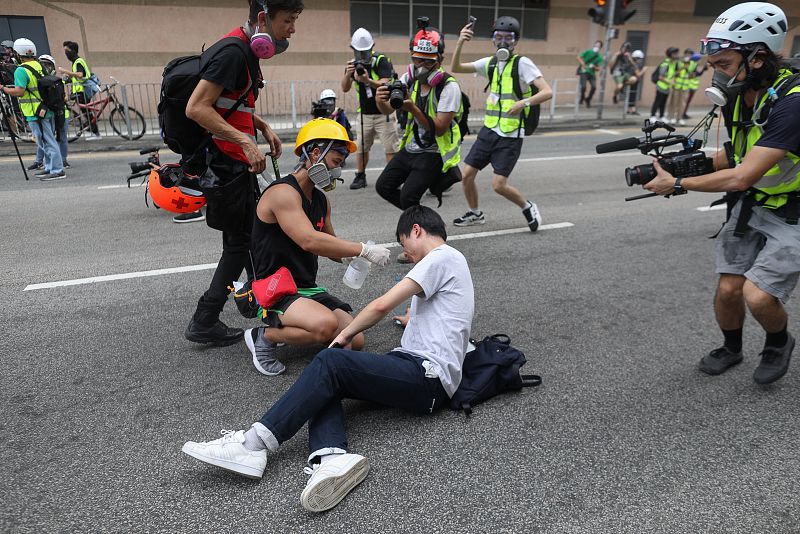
609, 132
712, 208
208, 266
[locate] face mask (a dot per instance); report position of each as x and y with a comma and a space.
687, 58
319, 174
724, 88
425, 75
502, 53
72, 56
596, 49
263, 45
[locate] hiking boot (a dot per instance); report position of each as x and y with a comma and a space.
332, 480
263, 351
195, 216
360, 181
533, 216
719, 360
49, 177
218, 334
35, 165
230, 454
774, 363
470, 218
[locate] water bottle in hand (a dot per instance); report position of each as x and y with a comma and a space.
357, 272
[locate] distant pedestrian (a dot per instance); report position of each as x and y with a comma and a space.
83, 87
664, 83
633, 92
49, 66
696, 71
623, 70
591, 61
677, 98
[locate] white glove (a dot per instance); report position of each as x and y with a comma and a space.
375, 254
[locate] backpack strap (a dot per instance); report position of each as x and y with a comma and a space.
32, 70
490, 72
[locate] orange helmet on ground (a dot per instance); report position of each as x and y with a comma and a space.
174, 191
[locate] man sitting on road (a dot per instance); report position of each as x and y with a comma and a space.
292, 229
419, 376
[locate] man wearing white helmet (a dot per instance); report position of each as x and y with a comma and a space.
758, 249
369, 70
639, 70
326, 108
40, 119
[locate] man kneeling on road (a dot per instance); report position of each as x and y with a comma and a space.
292, 228
420, 376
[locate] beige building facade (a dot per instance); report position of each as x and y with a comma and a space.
132, 40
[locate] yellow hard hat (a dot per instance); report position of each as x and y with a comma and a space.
322, 130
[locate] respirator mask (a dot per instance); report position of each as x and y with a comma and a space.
425, 74
505, 45
319, 174
725, 88
264, 45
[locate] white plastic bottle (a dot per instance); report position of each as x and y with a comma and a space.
357, 272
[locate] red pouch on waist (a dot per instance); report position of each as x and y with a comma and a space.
271, 289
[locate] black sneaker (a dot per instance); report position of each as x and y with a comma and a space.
49, 177
66, 164
774, 363
719, 360
42, 173
194, 216
470, 218
218, 334
533, 216
360, 181
35, 165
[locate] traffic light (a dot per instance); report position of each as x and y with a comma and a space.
622, 13
598, 13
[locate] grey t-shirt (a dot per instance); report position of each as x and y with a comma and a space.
450, 101
441, 318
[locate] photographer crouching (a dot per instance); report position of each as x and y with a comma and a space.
758, 249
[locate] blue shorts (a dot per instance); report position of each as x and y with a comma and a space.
501, 152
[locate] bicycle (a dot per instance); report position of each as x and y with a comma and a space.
78, 123
17, 123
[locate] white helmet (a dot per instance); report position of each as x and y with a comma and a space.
362, 40
638, 54
45, 57
327, 93
25, 47
751, 23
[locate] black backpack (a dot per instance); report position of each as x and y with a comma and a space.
654, 77
492, 368
51, 91
179, 79
463, 122
530, 121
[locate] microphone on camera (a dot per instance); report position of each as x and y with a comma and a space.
149, 150
629, 143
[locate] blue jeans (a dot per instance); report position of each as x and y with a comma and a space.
395, 379
62, 146
45, 132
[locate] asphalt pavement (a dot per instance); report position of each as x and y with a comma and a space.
610, 301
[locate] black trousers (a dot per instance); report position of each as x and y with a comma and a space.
406, 178
235, 247
590, 80
659, 104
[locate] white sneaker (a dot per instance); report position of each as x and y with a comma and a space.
93, 137
533, 217
653, 118
331, 481
681, 122
229, 453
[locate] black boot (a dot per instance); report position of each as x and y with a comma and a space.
218, 334
360, 181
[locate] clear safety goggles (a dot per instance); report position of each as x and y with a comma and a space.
710, 47
503, 38
341, 150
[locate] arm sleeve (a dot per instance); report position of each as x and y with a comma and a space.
21, 77
480, 66
450, 101
781, 130
430, 275
81, 70
528, 71
227, 68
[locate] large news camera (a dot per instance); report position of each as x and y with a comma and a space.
143, 168
691, 161
322, 109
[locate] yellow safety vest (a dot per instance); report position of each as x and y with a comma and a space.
30, 99
684, 75
449, 143
671, 67
77, 83
694, 78
783, 177
497, 110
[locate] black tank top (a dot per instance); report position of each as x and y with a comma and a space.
273, 249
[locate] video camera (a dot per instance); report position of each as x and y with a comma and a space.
8, 63
143, 168
322, 109
691, 161
398, 91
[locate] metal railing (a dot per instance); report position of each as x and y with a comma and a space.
286, 105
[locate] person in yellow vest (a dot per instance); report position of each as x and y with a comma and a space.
40, 119
49, 66
758, 249
683, 80
369, 70
694, 81
666, 79
499, 142
83, 88
430, 148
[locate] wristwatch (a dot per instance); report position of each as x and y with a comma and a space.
678, 186
527, 103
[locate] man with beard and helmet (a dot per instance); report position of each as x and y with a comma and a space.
431, 145
292, 229
500, 140
758, 249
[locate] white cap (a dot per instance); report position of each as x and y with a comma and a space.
327, 93
638, 54
45, 57
750, 23
25, 47
362, 40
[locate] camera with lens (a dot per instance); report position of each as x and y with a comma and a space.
690, 161
397, 93
144, 167
361, 67
321, 109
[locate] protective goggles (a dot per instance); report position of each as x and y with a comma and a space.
423, 62
503, 38
710, 47
341, 150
